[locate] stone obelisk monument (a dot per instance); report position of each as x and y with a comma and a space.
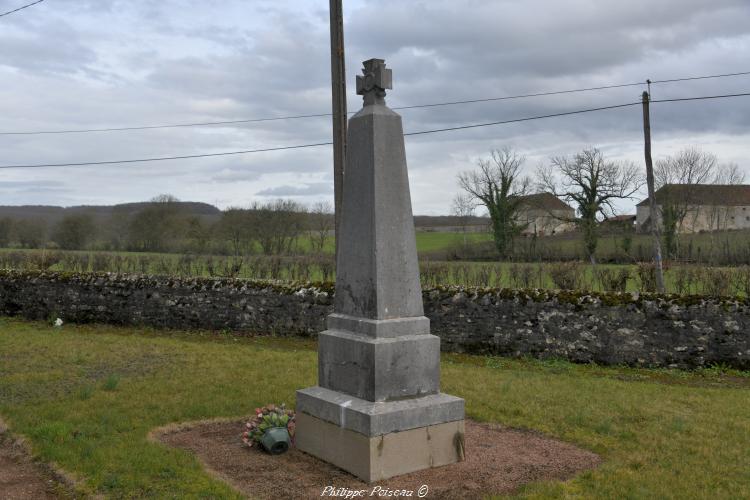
378, 411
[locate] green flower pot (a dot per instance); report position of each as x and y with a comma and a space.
276, 440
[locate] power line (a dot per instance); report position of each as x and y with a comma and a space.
538, 94
701, 98
21, 8
701, 77
565, 113
416, 106
163, 158
317, 144
148, 127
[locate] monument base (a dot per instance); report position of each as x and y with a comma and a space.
376, 441
380, 457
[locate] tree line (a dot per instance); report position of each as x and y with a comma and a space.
165, 225
590, 183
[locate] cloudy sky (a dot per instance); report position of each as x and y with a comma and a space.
73, 64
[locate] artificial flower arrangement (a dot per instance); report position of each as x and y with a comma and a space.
272, 428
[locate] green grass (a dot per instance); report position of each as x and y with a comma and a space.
427, 241
434, 241
87, 396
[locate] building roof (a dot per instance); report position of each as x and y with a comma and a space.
546, 201
621, 218
703, 194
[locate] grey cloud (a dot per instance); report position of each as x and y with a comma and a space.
312, 189
31, 185
203, 60
55, 48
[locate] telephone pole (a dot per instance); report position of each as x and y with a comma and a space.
338, 94
655, 221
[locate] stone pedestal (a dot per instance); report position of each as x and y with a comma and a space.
377, 411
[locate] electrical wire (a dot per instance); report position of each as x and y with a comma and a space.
416, 106
164, 158
689, 78
317, 144
701, 98
21, 8
517, 120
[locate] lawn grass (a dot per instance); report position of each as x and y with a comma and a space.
87, 396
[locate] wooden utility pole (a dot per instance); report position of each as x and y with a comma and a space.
338, 94
655, 220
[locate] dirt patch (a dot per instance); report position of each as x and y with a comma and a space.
498, 460
20, 477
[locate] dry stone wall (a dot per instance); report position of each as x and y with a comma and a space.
632, 329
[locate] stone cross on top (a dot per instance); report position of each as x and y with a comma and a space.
374, 80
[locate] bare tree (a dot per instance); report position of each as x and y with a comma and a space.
592, 183
463, 208
31, 233
6, 231
321, 224
74, 231
279, 224
498, 185
688, 168
729, 174
158, 226
238, 227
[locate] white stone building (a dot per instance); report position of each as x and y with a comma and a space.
544, 214
707, 207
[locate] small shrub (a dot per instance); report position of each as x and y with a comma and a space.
164, 266
100, 262
566, 275
483, 276
326, 269
44, 260
521, 275
716, 282
185, 265
144, 264
741, 280
614, 280
646, 274
498, 275
684, 279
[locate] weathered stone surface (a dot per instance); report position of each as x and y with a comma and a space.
377, 270
630, 329
379, 369
377, 418
383, 456
379, 328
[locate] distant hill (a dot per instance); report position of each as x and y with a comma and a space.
207, 212
53, 214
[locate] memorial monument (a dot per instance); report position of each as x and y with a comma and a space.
377, 411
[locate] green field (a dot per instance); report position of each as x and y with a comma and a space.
87, 396
682, 279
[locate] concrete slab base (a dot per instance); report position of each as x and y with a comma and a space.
380, 457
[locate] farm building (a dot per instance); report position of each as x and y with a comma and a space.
544, 214
706, 207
